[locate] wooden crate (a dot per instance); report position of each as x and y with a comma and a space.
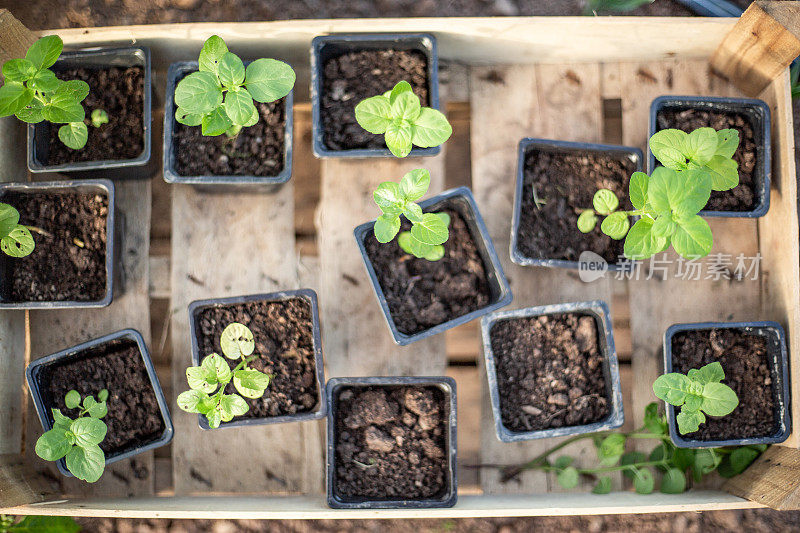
575, 79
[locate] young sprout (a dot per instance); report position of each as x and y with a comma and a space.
99, 117
696, 393
33, 93
428, 230
78, 440
399, 116
668, 202
15, 239
208, 381
219, 97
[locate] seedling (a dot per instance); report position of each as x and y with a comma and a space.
401, 119
15, 239
33, 93
99, 117
219, 97
668, 202
208, 381
77, 440
672, 463
696, 393
428, 230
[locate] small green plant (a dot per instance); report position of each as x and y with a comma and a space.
15, 239
668, 202
77, 440
619, 6
33, 93
794, 76
219, 96
428, 230
39, 524
99, 117
208, 381
675, 466
698, 392
401, 119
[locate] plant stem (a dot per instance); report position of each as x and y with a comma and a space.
39, 230
603, 469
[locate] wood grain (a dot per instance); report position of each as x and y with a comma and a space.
772, 480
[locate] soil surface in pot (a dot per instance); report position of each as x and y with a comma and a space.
68, 263
284, 337
565, 183
391, 443
120, 92
256, 151
134, 418
744, 196
549, 372
745, 360
421, 293
350, 78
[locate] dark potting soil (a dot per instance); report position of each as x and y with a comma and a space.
391, 443
549, 372
284, 339
421, 293
256, 151
744, 196
350, 78
745, 360
120, 92
565, 184
69, 262
134, 418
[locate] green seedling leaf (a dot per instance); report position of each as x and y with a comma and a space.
250, 383
74, 135
193, 401
727, 143
637, 188
673, 388
54, 444
406, 107
605, 201
374, 114
18, 70
643, 482
199, 93
664, 226
211, 53
431, 128
389, 198
693, 239
239, 107
616, 225
741, 458
63, 109
233, 405
701, 145
72, 399
413, 212
683, 458
14, 96
9, 219
401, 87
611, 449
689, 421
631, 458
386, 227
99, 117
603, 485
673, 482
414, 184
31, 114
75, 90
413, 246
45, 81
431, 230
18, 243
230, 70
268, 80
667, 146
692, 193
398, 138
237, 341
718, 399
710, 373
102, 395
641, 243
86, 463
214, 417
563, 462
188, 119
653, 421
98, 410
203, 377
44, 52
88, 431
587, 221
705, 461
215, 123
436, 253
59, 420
724, 173
568, 477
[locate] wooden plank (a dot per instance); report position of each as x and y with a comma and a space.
762, 44
158, 286
306, 178
15, 38
772, 480
352, 321
20, 484
54, 330
226, 244
464, 343
468, 383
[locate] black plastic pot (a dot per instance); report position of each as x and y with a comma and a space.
176, 72
563, 147
103, 187
100, 58
328, 46
305, 294
32, 375
462, 200
599, 311
450, 495
779, 372
759, 114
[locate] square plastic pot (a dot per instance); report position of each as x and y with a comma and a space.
561, 147
139, 167
598, 310
103, 187
325, 47
235, 183
304, 294
32, 374
448, 386
759, 114
460, 199
779, 372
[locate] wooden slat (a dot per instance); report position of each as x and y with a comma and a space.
54, 330
772, 480
468, 383
15, 38
225, 245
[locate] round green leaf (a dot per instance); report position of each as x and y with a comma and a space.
237, 341
616, 225
250, 383
102, 395
605, 201
75, 90
432, 230
701, 145
430, 128
683, 458
189, 119
269, 79
217, 367
641, 243
191, 400
214, 417
398, 138
388, 198
663, 183
74, 135
445, 218
374, 114
386, 227
413, 212
215, 123
213, 50
630, 458
643, 482
410, 245
72, 399
18, 70
672, 388
705, 461
653, 421
709, 373
401, 87
718, 399
86, 463
611, 449
724, 173
53, 444
689, 421
203, 377
44, 52
406, 107
98, 410
691, 194
603, 485
14, 96
414, 184
9, 218
63, 109
88, 431
727, 143
99, 117
46, 81
693, 239
234, 404
587, 221
239, 107
673, 482
568, 478
436, 253
667, 147
563, 461
230, 70
664, 226
32, 113
742, 457
637, 188
59, 420
199, 93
